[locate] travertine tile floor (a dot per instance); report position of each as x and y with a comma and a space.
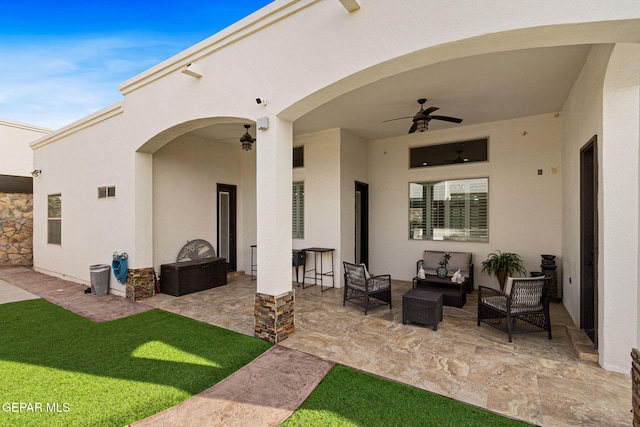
534, 379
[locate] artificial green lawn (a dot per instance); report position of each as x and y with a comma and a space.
75, 372
347, 397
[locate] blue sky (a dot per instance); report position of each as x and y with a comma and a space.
63, 60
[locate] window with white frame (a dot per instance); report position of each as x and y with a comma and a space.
106, 192
54, 219
449, 210
298, 210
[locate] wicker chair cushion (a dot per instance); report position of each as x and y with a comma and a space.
461, 261
356, 274
375, 285
431, 260
500, 303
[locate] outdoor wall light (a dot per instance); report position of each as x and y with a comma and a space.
36, 172
192, 70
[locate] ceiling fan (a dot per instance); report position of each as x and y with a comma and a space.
423, 117
459, 158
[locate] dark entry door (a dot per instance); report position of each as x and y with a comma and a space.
589, 239
227, 224
362, 223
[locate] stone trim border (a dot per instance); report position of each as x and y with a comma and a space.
274, 319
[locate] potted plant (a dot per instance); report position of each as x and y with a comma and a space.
502, 265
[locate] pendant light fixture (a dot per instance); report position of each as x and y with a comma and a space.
247, 139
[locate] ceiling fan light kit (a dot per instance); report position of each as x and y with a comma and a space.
247, 139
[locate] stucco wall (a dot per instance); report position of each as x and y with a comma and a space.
16, 157
321, 176
185, 174
604, 102
353, 167
620, 193
92, 228
525, 208
582, 119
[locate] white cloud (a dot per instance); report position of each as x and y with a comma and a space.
55, 82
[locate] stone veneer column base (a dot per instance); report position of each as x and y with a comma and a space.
140, 283
274, 320
635, 382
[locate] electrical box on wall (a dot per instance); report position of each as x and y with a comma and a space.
262, 123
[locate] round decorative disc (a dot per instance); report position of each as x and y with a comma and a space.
195, 250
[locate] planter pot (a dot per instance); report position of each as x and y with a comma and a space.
442, 272
502, 278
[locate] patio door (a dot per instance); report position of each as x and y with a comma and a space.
589, 239
227, 224
362, 223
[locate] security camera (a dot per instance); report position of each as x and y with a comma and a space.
261, 101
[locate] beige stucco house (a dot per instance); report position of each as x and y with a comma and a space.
553, 87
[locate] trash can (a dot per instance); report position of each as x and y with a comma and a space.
99, 279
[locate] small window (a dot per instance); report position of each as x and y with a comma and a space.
54, 219
104, 192
298, 210
298, 157
453, 153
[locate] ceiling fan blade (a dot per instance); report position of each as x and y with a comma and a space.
399, 118
414, 126
430, 110
447, 119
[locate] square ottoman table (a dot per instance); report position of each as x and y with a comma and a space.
419, 306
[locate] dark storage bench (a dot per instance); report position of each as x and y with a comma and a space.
182, 278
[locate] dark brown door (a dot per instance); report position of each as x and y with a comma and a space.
362, 223
227, 224
589, 239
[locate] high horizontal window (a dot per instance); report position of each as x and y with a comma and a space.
449, 210
105, 192
452, 153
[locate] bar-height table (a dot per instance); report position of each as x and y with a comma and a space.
320, 274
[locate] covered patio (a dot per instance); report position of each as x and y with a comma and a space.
533, 379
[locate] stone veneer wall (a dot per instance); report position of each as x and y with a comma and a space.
274, 320
16, 229
140, 283
635, 382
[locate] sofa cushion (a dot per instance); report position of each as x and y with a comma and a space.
431, 260
461, 261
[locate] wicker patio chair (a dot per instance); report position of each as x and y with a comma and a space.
360, 288
523, 307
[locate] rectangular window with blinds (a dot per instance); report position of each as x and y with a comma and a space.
449, 210
298, 210
54, 219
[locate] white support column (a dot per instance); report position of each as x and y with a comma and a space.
143, 205
619, 233
274, 296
